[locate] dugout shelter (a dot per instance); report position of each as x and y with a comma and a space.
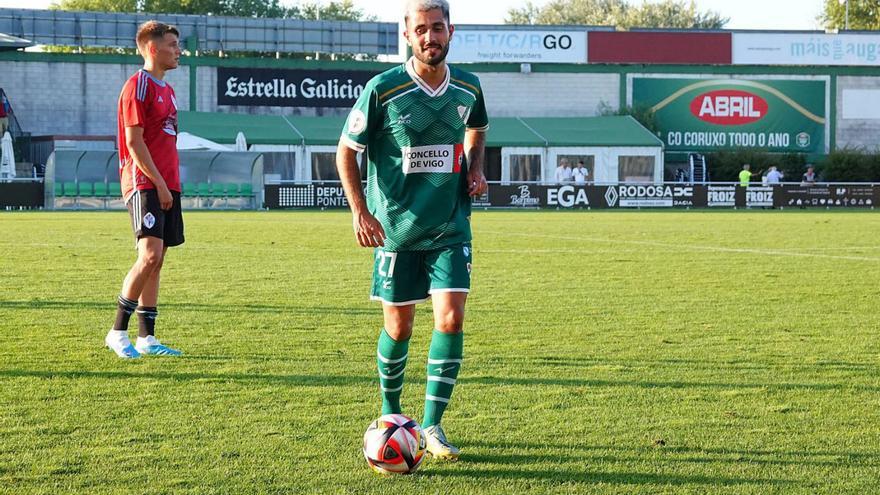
303, 149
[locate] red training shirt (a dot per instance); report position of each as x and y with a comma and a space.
148, 103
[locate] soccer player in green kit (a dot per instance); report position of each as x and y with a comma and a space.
422, 125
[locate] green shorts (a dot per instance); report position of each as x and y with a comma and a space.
410, 277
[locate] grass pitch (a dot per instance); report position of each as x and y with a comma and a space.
605, 352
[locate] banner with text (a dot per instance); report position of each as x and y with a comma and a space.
624, 196
806, 49
520, 46
290, 87
316, 195
776, 115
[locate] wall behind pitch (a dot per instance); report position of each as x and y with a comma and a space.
543, 94
73, 98
865, 130
76, 94
508, 94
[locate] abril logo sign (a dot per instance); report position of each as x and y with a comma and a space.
706, 115
729, 107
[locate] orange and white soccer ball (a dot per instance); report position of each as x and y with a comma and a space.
394, 444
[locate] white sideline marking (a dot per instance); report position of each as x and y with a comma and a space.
718, 249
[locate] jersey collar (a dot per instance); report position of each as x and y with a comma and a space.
157, 81
411, 70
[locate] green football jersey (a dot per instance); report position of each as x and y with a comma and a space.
416, 170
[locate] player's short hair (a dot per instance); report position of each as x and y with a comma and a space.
154, 30
424, 6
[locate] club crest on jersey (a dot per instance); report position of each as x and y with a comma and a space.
357, 122
464, 112
149, 220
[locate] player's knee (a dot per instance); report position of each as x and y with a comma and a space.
450, 320
151, 260
398, 329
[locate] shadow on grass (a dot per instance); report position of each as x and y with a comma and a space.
331, 380
292, 380
671, 454
691, 364
595, 383
110, 306
569, 476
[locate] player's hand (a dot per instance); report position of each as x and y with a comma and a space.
165, 198
368, 230
477, 185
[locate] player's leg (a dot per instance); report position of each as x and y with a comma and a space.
172, 234
445, 354
449, 270
147, 312
150, 251
147, 220
392, 353
444, 362
399, 281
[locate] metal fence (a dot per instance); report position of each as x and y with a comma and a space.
216, 33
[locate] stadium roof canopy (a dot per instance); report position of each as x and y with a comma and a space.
8, 42
503, 131
203, 32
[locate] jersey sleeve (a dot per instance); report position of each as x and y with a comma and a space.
479, 120
362, 119
132, 107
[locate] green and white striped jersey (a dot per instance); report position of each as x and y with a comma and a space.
417, 171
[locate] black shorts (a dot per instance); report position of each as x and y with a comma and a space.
149, 220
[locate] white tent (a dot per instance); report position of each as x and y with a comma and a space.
187, 141
7, 160
240, 142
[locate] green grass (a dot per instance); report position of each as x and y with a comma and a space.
605, 352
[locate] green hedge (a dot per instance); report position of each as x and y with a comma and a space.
851, 165
725, 166
847, 165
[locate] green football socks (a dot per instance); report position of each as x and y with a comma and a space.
391, 362
444, 361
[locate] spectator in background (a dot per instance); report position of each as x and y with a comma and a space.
563, 171
809, 177
580, 173
681, 175
4, 113
746, 175
774, 177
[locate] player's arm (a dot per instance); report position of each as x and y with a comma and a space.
367, 229
475, 151
134, 139
475, 145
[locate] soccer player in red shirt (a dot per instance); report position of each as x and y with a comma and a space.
149, 170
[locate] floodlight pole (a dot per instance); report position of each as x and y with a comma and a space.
846, 16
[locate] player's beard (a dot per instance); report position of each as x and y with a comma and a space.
423, 57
